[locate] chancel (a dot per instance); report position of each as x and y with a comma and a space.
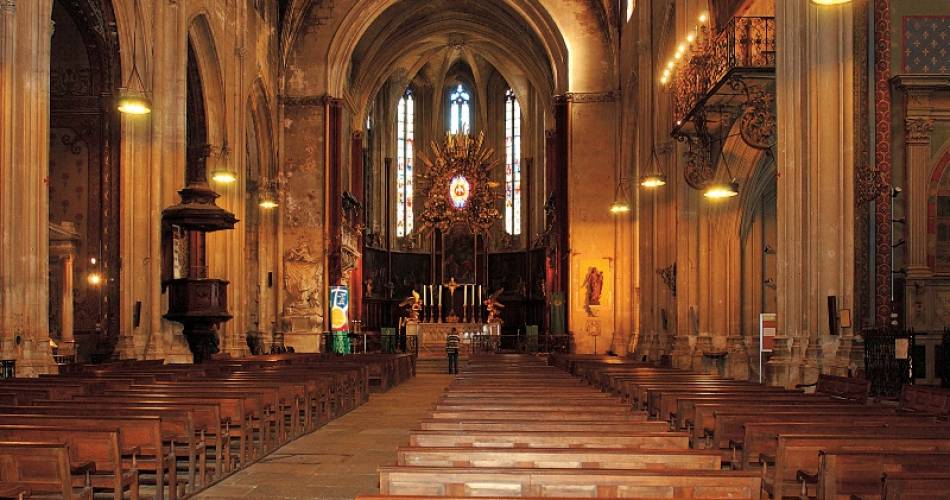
474, 248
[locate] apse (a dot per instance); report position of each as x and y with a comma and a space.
424, 71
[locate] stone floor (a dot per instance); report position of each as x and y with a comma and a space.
339, 460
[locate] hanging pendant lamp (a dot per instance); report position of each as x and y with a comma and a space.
132, 100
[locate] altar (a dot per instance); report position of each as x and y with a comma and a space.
431, 336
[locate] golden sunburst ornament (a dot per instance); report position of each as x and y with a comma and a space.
458, 186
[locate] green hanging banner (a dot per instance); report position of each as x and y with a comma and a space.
340, 319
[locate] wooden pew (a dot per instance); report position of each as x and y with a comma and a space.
845, 474
851, 389
100, 447
557, 458
926, 400
432, 424
40, 468
541, 439
916, 487
470, 482
799, 452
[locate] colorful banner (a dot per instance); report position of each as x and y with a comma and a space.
340, 318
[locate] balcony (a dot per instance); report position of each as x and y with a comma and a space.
725, 73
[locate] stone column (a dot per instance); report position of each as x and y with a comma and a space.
63, 240
814, 99
917, 166
24, 159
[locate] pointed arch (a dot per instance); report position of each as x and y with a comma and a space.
201, 37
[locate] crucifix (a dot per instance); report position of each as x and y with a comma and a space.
452, 286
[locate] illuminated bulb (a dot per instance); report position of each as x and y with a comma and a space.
830, 2
722, 190
619, 207
678, 55
681, 48
691, 37
653, 180
670, 65
94, 279
268, 204
133, 103
92, 261
223, 176
703, 18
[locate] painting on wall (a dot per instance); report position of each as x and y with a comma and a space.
592, 302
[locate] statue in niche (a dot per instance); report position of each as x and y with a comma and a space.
594, 284
302, 280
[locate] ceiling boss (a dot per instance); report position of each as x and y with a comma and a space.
457, 185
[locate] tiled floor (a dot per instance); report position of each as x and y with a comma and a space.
339, 460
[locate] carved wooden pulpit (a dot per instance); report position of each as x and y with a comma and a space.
196, 301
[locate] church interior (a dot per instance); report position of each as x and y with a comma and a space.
674, 249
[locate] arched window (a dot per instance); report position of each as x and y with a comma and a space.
460, 111
405, 137
512, 164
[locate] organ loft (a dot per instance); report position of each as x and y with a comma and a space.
408, 249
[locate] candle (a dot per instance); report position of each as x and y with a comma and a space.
479, 294
440, 295
423, 295
464, 295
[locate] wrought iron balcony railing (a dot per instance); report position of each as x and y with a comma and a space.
746, 45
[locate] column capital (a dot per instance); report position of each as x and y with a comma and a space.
918, 129
8, 5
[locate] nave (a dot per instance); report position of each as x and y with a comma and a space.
599, 427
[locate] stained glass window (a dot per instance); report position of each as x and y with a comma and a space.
460, 111
405, 136
512, 164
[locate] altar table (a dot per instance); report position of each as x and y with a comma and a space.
431, 336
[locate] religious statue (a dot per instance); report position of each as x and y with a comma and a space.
594, 283
412, 305
302, 280
494, 307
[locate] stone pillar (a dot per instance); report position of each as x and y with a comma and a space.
63, 240
302, 222
815, 155
917, 166
24, 196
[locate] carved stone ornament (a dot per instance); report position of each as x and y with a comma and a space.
758, 125
302, 280
699, 168
668, 275
918, 129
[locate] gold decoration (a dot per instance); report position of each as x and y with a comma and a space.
461, 156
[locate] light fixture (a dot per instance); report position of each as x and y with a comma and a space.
722, 190
830, 2
94, 278
268, 196
655, 178
223, 175
619, 207
620, 204
132, 99
703, 18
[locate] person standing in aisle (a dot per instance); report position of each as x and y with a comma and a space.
452, 341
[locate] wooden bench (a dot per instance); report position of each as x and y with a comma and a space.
557, 458
541, 439
844, 474
796, 458
432, 424
471, 482
41, 468
852, 389
98, 447
916, 487
927, 400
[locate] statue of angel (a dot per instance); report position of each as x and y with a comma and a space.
494, 307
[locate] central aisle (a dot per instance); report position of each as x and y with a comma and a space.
340, 459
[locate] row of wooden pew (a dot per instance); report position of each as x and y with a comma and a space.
511, 426
829, 444
606, 427
143, 428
